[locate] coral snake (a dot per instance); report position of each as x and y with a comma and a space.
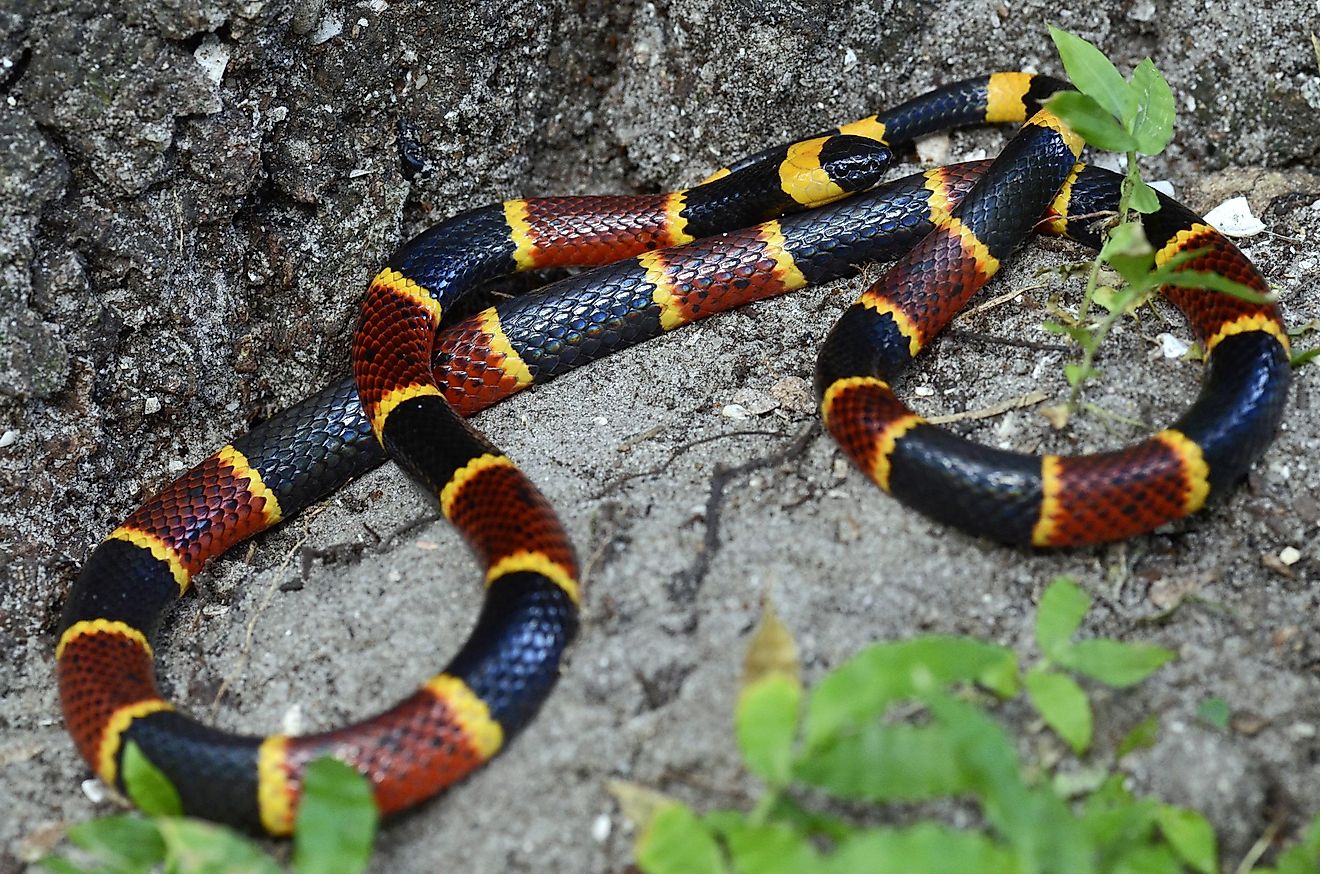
950, 227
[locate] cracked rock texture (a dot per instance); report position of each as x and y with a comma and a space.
194, 192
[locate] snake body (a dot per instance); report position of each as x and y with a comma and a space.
409, 396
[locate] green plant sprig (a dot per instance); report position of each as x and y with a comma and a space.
908, 722
333, 832
1132, 117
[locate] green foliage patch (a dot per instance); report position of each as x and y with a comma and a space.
913, 721
333, 833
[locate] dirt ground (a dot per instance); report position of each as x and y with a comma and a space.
194, 193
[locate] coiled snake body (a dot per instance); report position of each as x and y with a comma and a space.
414, 379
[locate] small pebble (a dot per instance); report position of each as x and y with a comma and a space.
94, 789
737, 412
600, 828
292, 721
923, 391
794, 392
1234, 218
934, 149
8, 438
212, 56
1289, 555
151, 405
1173, 347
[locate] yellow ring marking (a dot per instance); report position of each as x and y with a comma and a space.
467, 472
536, 562
274, 794
513, 363
1182, 240
885, 443
1006, 97
870, 127
718, 174
1071, 139
906, 326
1062, 201
159, 549
802, 177
1051, 487
256, 486
107, 751
671, 310
395, 282
472, 715
87, 627
938, 203
839, 386
396, 396
1248, 323
786, 269
675, 222
516, 216
972, 245
1196, 473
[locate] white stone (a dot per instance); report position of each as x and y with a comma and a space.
1173, 347
1234, 218
600, 828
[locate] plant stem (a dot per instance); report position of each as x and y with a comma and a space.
1092, 278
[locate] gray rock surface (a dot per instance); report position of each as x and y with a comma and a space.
194, 192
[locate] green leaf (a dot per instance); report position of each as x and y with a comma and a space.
1305, 357
810, 822
1304, 858
766, 723
860, 690
1036, 822
1059, 614
1091, 121
1116, 821
772, 650
1076, 373
1095, 76
676, 842
1114, 662
1127, 238
60, 865
638, 803
1191, 837
1148, 860
1213, 282
147, 786
1129, 252
1141, 737
196, 847
1144, 199
123, 841
336, 821
928, 848
1214, 711
1153, 124
1063, 705
883, 762
769, 848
